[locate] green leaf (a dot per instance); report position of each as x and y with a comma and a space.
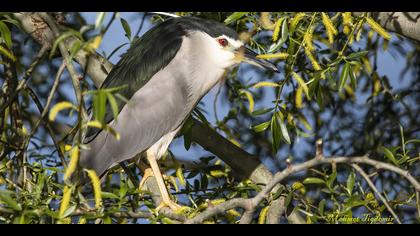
284, 31
68, 211
234, 17
285, 134
108, 195
4, 51
350, 182
126, 28
283, 38
99, 105
353, 80
321, 206
9, 201
114, 105
62, 37
313, 180
357, 55
288, 199
5, 34
344, 76
261, 111
275, 133
388, 154
75, 48
261, 127
331, 178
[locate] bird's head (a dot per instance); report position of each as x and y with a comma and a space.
222, 44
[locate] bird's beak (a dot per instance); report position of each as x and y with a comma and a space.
250, 57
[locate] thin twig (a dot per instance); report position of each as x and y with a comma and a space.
47, 125
38, 58
70, 67
44, 112
373, 187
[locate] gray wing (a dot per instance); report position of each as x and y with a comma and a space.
145, 57
158, 108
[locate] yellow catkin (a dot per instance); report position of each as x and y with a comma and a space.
298, 97
263, 215
265, 84
276, 31
329, 26
367, 65
250, 100
359, 30
308, 40
74, 158
295, 21
376, 84
301, 83
180, 176
378, 28
65, 201
58, 107
94, 44
96, 183
281, 56
347, 22
311, 58
266, 23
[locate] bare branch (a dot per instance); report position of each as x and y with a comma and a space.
276, 210
252, 203
373, 187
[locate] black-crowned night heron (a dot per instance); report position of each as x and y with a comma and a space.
167, 71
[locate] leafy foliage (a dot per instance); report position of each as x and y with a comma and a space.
330, 88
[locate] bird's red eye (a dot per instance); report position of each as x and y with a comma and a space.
223, 42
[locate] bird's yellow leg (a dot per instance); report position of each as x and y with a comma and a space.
146, 174
166, 200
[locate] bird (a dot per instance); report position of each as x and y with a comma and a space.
163, 75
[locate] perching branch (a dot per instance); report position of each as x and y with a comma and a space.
252, 203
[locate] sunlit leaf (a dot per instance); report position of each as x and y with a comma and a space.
234, 17
5, 34
388, 154
350, 182
313, 180
344, 75
261, 127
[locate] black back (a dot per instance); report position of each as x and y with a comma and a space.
151, 53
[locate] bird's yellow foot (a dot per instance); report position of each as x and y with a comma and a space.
168, 203
147, 173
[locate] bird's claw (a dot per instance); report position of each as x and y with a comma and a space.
168, 203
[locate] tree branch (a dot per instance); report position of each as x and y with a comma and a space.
252, 203
373, 187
